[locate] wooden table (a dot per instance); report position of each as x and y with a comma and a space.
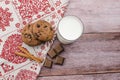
98, 49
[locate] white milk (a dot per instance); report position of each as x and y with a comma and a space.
70, 28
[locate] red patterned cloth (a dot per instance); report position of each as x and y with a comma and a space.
14, 14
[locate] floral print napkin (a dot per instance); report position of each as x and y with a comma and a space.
14, 14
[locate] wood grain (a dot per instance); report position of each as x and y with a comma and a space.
97, 15
94, 51
91, 53
115, 76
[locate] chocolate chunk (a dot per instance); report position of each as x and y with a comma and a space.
48, 63
38, 26
58, 48
52, 53
59, 60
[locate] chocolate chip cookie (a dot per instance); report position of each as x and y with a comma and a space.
42, 30
28, 37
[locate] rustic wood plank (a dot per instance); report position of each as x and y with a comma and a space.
97, 15
95, 51
90, 53
84, 77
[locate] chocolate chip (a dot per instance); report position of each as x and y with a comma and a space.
39, 33
38, 26
47, 38
51, 28
45, 26
29, 36
36, 35
25, 35
28, 25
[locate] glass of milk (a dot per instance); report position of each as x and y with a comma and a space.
70, 28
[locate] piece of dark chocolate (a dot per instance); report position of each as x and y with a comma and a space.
48, 63
52, 53
58, 48
59, 60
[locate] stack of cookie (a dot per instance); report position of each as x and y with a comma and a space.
35, 33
